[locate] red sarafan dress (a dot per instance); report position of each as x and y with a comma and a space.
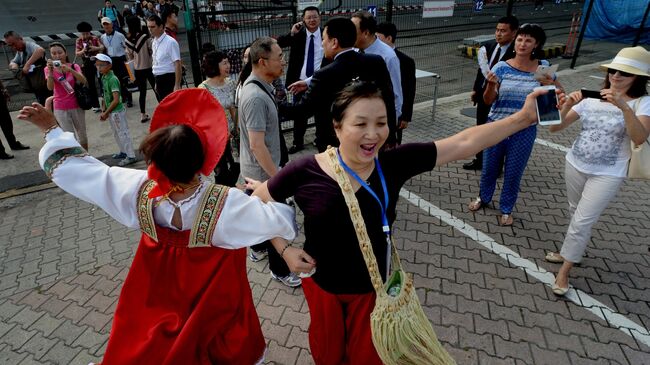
185, 301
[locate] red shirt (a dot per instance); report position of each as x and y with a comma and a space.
92, 42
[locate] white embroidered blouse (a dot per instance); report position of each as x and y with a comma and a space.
244, 220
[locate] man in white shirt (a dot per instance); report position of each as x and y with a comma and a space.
115, 45
166, 59
305, 58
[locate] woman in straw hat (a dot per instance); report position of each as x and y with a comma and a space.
186, 299
597, 163
340, 293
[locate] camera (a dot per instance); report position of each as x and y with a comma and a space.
56, 63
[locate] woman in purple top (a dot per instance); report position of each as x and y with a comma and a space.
62, 77
339, 293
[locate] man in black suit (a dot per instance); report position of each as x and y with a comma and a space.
305, 41
339, 36
387, 33
501, 49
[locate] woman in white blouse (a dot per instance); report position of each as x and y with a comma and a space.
597, 163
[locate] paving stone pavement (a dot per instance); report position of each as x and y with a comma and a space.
63, 263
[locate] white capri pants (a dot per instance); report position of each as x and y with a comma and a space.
121, 132
588, 197
73, 120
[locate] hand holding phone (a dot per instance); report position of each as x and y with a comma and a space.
547, 111
593, 94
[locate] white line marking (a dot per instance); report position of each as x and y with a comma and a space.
550, 144
577, 296
597, 77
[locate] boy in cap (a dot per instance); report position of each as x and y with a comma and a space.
114, 110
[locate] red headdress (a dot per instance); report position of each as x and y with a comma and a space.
201, 111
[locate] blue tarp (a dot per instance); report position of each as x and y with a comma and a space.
617, 20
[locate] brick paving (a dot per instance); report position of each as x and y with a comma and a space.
63, 263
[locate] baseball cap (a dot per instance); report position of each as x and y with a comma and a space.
106, 20
101, 57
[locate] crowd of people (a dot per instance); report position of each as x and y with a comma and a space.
360, 90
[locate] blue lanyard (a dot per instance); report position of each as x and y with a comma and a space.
384, 205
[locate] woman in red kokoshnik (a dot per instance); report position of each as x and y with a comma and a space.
186, 299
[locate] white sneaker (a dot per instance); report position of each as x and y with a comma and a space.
292, 280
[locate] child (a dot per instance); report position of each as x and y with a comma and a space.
114, 110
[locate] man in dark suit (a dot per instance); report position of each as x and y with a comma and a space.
501, 49
339, 36
305, 40
387, 33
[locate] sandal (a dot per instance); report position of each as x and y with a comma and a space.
554, 257
476, 204
506, 220
558, 290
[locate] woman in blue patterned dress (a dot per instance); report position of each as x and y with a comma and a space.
508, 84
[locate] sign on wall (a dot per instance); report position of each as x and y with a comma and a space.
438, 8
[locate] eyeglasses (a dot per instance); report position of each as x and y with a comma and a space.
612, 71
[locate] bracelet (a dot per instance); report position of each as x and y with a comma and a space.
284, 249
50, 130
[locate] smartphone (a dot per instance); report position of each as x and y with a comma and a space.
593, 94
547, 111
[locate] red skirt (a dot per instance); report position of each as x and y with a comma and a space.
183, 305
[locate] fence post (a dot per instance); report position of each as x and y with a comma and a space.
192, 27
582, 33
294, 11
638, 34
511, 3
389, 11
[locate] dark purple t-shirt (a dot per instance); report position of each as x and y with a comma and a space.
330, 236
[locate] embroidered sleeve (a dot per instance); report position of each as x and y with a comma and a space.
57, 158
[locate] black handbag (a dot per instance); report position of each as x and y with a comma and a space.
82, 93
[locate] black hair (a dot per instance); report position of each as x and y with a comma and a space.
512, 21
210, 63
343, 30
535, 31
156, 19
367, 21
12, 33
84, 27
245, 72
353, 91
60, 45
636, 90
167, 12
388, 30
310, 8
207, 47
135, 26
176, 150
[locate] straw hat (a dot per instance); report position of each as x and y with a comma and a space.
634, 60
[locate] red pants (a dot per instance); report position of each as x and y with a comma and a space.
339, 332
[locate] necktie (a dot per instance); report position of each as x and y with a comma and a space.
309, 71
496, 58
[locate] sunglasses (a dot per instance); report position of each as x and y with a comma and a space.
612, 71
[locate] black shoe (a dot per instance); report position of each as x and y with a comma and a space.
5, 156
19, 146
293, 149
474, 165
129, 104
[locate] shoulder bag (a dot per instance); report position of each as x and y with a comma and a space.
82, 92
401, 332
639, 167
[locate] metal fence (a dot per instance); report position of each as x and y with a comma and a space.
436, 44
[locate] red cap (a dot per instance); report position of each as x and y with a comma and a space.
201, 111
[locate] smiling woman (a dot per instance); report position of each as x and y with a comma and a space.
340, 293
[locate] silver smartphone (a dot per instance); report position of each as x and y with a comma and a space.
547, 111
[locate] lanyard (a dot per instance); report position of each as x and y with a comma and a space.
383, 206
